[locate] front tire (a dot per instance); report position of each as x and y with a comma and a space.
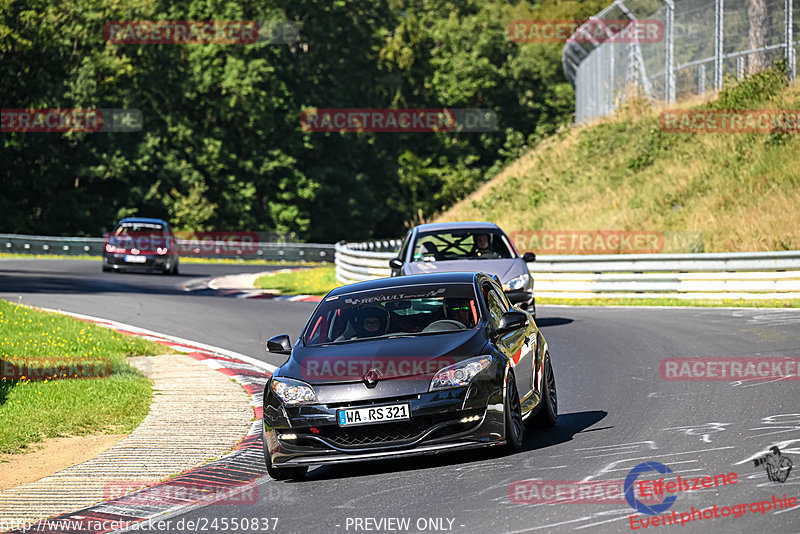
515, 427
548, 413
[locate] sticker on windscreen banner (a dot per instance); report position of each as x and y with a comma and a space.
395, 296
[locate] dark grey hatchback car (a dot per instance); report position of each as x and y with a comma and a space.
419, 364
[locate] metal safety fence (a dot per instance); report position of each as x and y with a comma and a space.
700, 43
198, 248
739, 275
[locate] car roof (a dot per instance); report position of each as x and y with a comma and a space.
143, 220
462, 225
408, 280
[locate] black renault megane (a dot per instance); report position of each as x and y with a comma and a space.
418, 364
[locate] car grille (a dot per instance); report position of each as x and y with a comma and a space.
378, 434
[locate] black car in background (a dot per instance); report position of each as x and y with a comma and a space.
141, 244
418, 364
468, 246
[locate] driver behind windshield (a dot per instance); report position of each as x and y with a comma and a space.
481, 247
458, 310
371, 321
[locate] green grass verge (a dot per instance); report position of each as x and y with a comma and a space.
183, 259
29, 335
316, 281
719, 303
33, 410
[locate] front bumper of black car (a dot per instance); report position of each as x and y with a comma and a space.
522, 298
436, 426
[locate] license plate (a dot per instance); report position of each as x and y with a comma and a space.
135, 259
377, 414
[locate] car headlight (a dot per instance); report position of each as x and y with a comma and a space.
161, 250
517, 283
459, 374
293, 391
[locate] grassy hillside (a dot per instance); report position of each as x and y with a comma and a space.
742, 191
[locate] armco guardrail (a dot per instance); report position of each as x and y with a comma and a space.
749, 275
356, 262
93, 246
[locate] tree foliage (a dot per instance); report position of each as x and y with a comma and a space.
221, 146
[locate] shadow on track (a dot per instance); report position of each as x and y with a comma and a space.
88, 279
103, 283
535, 438
544, 322
568, 425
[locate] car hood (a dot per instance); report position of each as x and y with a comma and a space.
399, 359
505, 269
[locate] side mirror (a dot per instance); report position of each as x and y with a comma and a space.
528, 257
279, 344
510, 321
395, 263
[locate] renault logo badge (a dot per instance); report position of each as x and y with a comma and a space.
372, 377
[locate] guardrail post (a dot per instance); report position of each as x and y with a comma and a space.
719, 14
637, 60
788, 16
669, 35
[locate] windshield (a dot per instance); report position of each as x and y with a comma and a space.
461, 245
138, 228
397, 311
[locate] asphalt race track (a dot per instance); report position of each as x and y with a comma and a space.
615, 412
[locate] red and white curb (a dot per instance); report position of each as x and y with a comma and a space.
229, 479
